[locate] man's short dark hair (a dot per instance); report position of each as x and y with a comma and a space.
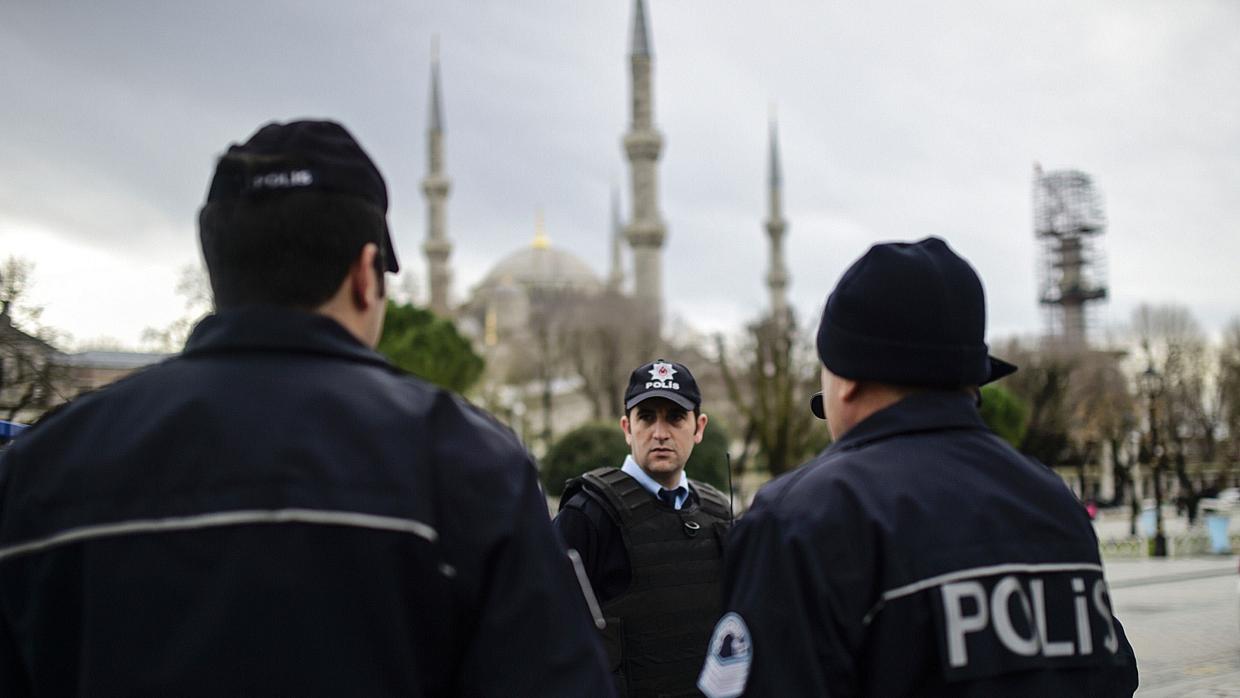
292, 250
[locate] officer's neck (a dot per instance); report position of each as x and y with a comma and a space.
860, 400
359, 303
668, 481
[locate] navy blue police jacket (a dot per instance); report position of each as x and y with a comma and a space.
278, 511
918, 555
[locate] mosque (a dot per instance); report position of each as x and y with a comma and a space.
504, 313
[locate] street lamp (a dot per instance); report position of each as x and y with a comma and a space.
1152, 382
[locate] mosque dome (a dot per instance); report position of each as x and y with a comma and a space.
542, 267
520, 285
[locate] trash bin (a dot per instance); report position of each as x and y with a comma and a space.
1216, 525
1146, 523
8, 430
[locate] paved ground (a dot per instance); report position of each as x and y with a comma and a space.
1183, 619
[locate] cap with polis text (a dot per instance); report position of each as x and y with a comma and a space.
665, 379
908, 313
302, 156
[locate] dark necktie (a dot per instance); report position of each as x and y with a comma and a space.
668, 497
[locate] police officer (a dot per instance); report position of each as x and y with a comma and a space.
278, 510
919, 554
650, 538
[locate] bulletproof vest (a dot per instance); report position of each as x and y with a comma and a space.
658, 629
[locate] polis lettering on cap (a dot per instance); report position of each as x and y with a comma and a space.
664, 379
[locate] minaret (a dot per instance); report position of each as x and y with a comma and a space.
435, 186
642, 144
777, 276
616, 278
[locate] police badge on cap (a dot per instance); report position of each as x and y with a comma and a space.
665, 379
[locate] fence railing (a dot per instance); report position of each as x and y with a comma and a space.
1192, 543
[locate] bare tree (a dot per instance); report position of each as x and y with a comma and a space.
1229, 388
541, 359
1102, 418
1081, 408
1103, 407
30, 378
770, 388
1175, 349
603, 342
194, 288
546, 352
1043, 382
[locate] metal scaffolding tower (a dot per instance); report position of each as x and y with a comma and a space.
1068, 223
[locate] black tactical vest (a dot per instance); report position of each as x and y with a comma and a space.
658, 629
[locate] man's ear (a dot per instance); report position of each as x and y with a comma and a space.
700, 429
624, 426
847, 389
363, 279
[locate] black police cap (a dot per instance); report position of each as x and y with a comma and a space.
302, 156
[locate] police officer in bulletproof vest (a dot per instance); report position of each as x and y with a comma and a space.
919, 554
278, 511
650, 537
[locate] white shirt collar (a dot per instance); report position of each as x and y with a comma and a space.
633, 470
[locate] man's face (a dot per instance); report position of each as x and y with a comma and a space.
661, 435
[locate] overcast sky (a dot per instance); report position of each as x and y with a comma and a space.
897, 120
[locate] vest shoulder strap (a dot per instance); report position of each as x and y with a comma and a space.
622, 496
571, 489
712, 501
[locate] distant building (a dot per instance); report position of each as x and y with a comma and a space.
35, 376
91, 370
503, 311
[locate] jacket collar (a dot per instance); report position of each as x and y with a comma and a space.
927, 411
271, 328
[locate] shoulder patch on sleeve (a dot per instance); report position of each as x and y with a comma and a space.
728, 656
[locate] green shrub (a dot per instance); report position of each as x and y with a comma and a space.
429, 347
1005, 414
590, 446
709, 462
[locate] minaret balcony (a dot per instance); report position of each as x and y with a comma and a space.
643, 145
645, 234
437, 248
435, 185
